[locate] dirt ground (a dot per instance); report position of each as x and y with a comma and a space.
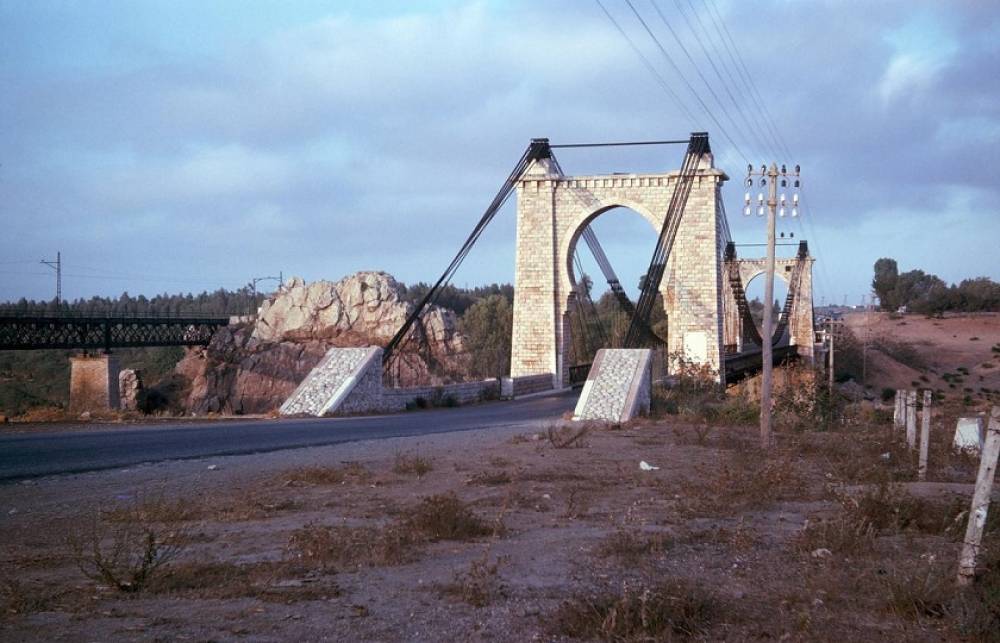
508, 535
957, 355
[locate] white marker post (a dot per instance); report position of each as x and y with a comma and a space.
898, 414
980, 501
911, 420
925, 436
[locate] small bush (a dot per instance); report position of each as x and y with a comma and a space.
126, 554
479, 584
351, 473
412, 465
657, 613
349, 548
925, 592
888, 394
445, 517
844, 535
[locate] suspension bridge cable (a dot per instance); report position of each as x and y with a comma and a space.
683, 78
563, 145
649, 66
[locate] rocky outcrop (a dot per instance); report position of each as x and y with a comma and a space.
129, 386
254, 367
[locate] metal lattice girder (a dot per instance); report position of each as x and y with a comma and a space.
67, 332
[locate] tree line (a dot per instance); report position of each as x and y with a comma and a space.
218, 302
923, 292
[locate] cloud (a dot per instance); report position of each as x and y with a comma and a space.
376, 139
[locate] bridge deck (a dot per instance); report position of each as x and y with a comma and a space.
742, 365
60, 331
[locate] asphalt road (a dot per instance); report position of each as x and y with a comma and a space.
28, 456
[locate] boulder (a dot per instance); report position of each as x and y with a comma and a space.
129, 386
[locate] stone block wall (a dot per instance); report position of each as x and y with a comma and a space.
397, 399
93, 383
530, 384
349, 381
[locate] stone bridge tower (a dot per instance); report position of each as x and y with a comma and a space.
552, 212
801, 328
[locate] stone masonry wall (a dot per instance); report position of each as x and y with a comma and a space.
349, 381
332, 379
554, 209
93, 383
618, 387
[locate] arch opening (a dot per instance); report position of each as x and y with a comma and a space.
755, 295
598, 319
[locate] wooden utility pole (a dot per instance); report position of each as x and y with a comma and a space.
830, 368
767, 354
980, 501
770, 177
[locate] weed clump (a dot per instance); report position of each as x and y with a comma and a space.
350, 548
631, 546
479, 584
413, 465
924, 592
319, 476
445, 517
655, 613
127, 553
844, 535
491, 478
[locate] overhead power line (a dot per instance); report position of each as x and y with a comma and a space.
650, 67
684, 79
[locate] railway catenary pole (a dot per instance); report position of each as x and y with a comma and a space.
769, 177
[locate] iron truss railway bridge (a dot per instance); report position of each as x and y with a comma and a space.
104, 332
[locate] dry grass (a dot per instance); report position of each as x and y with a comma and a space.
631, 545
479, 585
276, 581
342, 548
124, 554
843, 535
252, 506
352, 473
886, 508
924, 591
445, 517
350, 548
19, 598
748, 479
638, 613
491, 478
411, 465
155, 508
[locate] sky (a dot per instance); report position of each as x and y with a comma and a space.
183, 145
